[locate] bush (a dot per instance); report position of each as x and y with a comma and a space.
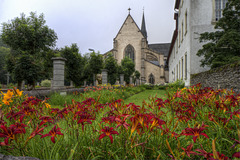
179, 84
46, 83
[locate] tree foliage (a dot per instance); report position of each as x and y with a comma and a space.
4, 52
74, 63
112, 68
96, 62
28, 36
128, 68
223, 44
26, 69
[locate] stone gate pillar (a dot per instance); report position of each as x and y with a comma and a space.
104, 76
122, 79
131, 80
94, 80
58, 72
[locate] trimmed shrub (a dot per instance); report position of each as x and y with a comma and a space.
46, 83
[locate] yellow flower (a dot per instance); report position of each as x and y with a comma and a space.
47, 105
8, 95
19, 93
7, 101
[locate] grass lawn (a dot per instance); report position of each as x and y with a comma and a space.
138, 98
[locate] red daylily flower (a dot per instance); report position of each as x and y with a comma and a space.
156, 122
108, 132
19, 126
84, 118
109, 119
5, 143
45, 119
237, 155
8, 132
196, 132
204, 153
188, 150
236, 113
36, 132
121, 122
53, 133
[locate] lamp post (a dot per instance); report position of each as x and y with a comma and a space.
7, 78
90, 49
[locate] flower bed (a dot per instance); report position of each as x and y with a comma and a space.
192, 123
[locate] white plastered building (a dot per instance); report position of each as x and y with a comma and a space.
192, 17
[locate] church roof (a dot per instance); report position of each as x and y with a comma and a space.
160, 48
129, 16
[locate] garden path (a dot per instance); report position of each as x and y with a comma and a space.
138, 98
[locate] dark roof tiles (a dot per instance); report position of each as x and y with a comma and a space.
160, 48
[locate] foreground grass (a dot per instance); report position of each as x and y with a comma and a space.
140, 97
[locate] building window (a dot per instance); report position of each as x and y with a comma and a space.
174, 75
182, 68
219, 6
129, 52
182, 32
176, 46
151, 79
179, 38
177, 72
179, 77
186, 18
186, 66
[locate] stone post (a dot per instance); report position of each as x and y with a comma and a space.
131, 80
8, 75
94, 80
137, 82
104, 76
58, 72
71, 84
23, 85
85, 83
122, 79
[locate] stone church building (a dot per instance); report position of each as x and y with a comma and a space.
149, 59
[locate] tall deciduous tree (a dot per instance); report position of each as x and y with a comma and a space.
4, 52
28, 36
128, 68
74, 64
223, 45
112, 68
96, 62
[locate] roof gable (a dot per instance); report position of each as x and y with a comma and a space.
129, 18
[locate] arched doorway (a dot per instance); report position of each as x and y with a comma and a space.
151, 79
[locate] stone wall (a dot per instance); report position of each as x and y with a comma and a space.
224, 77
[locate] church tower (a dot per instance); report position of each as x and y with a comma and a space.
143, 28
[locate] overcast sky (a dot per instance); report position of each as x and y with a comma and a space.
94, 23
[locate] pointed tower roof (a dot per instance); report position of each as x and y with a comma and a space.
143, 28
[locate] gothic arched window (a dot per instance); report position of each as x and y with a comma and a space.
151, 79
129, 52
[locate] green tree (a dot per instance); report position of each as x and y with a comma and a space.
128, 68
74, 64
95, 63
112, 68
27, 36
4, 52
26, 69
223, 44
136, 75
